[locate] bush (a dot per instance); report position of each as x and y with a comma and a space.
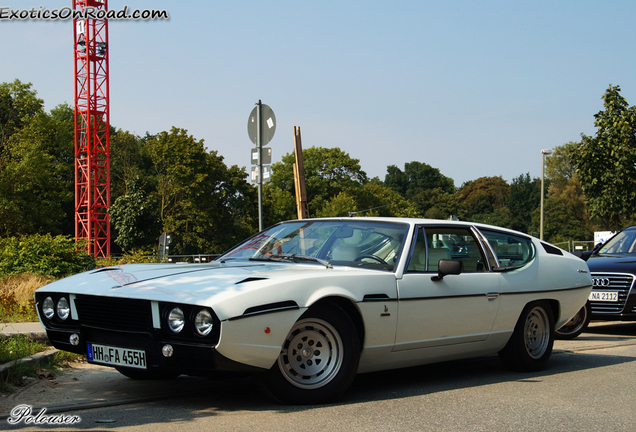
46, 255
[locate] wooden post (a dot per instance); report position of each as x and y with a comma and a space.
299, 177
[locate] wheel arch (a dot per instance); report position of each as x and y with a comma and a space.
349, 308
555, 309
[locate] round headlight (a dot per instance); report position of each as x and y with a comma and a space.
176, 320
48, 308
63, 309
203, 322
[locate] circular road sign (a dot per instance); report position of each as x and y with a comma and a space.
268, 120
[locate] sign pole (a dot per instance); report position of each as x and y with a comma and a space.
259, 144
261, 135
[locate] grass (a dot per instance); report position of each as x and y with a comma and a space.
16, 305
16, 297
16, 347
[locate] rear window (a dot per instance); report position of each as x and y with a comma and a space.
510, 250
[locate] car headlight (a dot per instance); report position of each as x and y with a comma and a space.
48, 308
176, 320
203, 322
63, 309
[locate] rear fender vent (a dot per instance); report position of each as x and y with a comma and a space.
551, 249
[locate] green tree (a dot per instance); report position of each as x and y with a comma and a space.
426, 187
566, 215
134, 218
417, 177
524, 199
37, 175
376, 199
130, 163
203, 204
606, 162
563, 221
485, 200
328, 173
18, 103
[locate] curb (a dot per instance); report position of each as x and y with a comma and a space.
41, 357
36, 336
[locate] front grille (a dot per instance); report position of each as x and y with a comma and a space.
114, 313
620, 282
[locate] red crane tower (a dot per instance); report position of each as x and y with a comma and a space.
92, 128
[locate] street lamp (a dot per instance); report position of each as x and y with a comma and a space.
543, 153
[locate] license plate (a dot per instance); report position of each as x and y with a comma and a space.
116, 356
604, 296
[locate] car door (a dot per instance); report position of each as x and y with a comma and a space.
456, 309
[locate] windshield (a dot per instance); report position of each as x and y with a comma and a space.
622, 243
356, 243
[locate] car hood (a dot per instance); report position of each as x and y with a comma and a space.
612, 263
227, 287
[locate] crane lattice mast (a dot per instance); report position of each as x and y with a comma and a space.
92, 129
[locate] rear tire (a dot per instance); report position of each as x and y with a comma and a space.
318, 360
530, 345
577, 324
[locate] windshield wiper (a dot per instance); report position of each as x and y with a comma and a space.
291, 257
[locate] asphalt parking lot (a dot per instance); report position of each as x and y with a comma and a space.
88, 386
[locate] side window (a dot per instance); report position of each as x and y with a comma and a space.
454, 243
435, 243
510, 250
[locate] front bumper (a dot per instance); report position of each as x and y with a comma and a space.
195, 359
135, 324
624, 309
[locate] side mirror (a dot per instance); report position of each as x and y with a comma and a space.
447, 267
583, 255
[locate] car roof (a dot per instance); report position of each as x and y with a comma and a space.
416, 221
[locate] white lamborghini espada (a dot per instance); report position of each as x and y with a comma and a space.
307, 304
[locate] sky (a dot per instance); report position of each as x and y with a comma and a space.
474, 88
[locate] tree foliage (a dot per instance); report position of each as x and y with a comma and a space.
203, 204
46, 255
606, 162
524, 198
426, 187
330, 174
18, 103
484, 196
36, 175
134, 218
170, 182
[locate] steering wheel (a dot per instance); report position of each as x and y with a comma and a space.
373, 257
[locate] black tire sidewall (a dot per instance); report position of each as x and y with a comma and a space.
573, 334
515, 355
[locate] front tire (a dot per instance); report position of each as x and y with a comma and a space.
318, 360
577, 324
530, 345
